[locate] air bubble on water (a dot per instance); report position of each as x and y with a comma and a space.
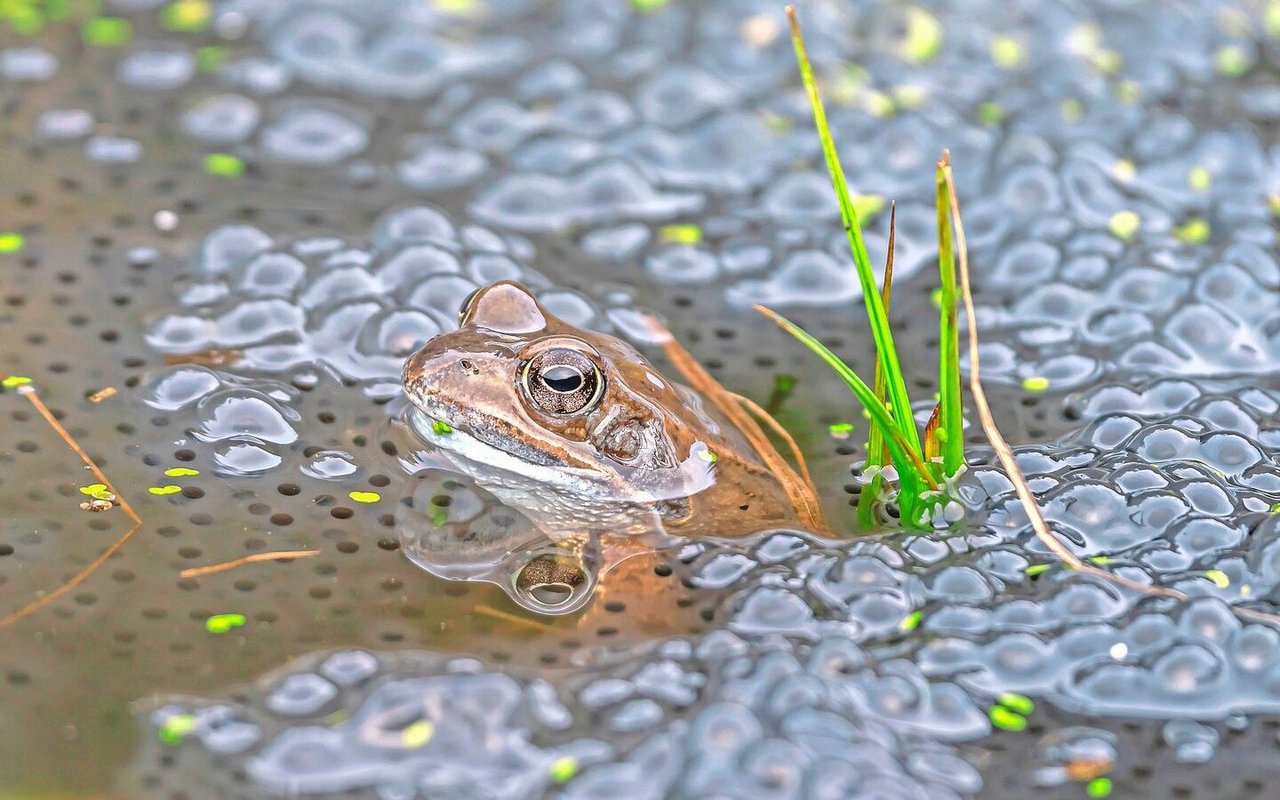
414, 224
313, 136
682, 264
27, 64
436, 167
616, 243
229, 246
806, 278
113, 150
222, 118
348, 668
62, 124
333, 465
179, 387
156, 69
245, 414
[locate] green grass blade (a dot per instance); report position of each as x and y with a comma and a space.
911, 470
951, 417
887, 354
877, 455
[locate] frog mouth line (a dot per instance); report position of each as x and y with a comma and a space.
436, 422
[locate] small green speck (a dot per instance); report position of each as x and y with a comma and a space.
106, 32
1017, 702
840, 430
177, 728
1193, 231
1218, 577
221, 623
12, 242
1007, 53
991, 113
186, 16
563, 769
1275, 508
1199, 178
417, 734
910, 95
210, 57
163, 490
1098, 787
181, 472
1124, 170
923, 39
98, 491
24, 20
441, 427
1231, 61
680, 234
1035, 384
867, 206
1036, 569
223, 165
1128, 91
708, 456
648, 5
1124, 224
1006, 720
911, 621
14, 381
1071, 109
364, 497
1101, 561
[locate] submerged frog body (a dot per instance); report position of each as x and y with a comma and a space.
581, 434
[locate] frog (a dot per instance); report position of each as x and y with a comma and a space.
604, 456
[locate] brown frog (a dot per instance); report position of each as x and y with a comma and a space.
604, 456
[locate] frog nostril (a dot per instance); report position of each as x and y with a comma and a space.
468, 366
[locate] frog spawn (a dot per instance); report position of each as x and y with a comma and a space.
808, 642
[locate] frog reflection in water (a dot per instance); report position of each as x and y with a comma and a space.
604, 456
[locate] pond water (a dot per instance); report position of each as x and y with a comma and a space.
243, 216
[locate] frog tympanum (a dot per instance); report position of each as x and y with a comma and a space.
600, 454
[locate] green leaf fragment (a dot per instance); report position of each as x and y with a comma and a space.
106, 32
11, 242
1199, 178
1016, 702
221, 623
210, 57
181, 472
417, 734
840, 430
176, 728
224, 165
98, 491
911, 621
186, 16
1231, 61
441, 427
1193, 231
1006, 720
1098, 787
867, 206
364, 497
648, 5
1219, 578
1035, 384
680, 234
563, 769
1007, 53
1036, 569
991, 113
14, 381
164, 490
1124, 224
923, 39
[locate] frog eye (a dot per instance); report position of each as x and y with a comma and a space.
562, 380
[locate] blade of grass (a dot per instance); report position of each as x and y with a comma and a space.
910, 467
877, 453
950, 430
896, 386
